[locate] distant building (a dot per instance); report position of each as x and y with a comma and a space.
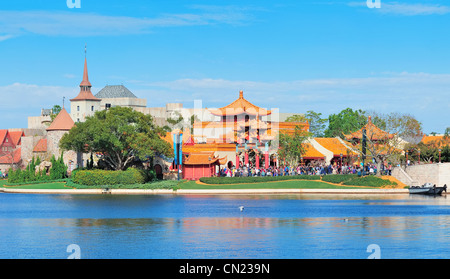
119, 95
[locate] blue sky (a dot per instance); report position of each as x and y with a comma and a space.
293, 55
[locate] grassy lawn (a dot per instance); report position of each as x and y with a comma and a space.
49, 185
292, 184
189, 185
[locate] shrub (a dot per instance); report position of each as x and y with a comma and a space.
372, 181
106, 177
338, 178
255, 179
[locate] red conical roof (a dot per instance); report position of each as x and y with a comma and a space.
62, 122
85, 85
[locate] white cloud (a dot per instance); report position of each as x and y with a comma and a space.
406, 9
55, 23
424, 95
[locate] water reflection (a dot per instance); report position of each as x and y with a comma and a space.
271, 226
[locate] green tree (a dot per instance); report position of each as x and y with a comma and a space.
291, 146
317, 124
397, 129
55, 111
345, 122
121, 134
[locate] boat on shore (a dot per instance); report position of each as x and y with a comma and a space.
428, 189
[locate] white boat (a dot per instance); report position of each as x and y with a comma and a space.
427, 189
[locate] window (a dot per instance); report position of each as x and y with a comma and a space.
78, 108
78, 119
92, 108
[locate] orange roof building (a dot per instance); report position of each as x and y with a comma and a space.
62, 122
11, 158
436, 141
200, 164
240, 107
312, 153
373, 133
41, 146
336, 146
241, 122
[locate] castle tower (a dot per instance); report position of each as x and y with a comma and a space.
85, 104
60, 126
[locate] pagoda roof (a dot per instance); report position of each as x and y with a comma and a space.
62, 122
436, 141
201, 158
336, 146
312, 153
240, 106
372, 132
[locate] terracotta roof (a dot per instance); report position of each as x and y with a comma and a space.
311, 152
201, 158
41, 146
63, 122
16, 136
17, 155
240, 106
372, 132
335, 145
85, 92
3, 134
436, 141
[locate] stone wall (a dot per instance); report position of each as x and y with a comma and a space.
438, 174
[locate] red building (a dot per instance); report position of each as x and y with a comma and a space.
10, 151
200, 164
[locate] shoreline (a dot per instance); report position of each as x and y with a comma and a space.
203, 191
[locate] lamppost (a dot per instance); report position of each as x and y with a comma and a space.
341, 161
419, 156
406, 158
439, 155
178, 150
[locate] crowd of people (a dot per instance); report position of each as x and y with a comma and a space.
319, 169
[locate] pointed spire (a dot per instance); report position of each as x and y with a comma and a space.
85, 81
85, 85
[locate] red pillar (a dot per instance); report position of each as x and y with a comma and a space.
246, 158
266, 159
237, 160
257, 160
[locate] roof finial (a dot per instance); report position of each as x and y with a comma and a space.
63, 100
85, 50
241, 94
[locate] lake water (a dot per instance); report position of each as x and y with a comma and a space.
207, 227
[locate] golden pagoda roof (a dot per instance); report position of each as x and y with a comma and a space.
202, 158
240, 106
335, 145
372, 132
436, 141
311, 152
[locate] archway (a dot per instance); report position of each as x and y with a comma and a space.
159, 171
